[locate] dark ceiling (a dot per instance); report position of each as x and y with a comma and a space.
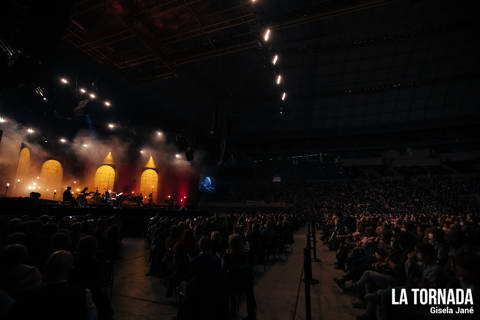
357, 73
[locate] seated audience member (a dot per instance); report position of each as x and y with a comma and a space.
91, 273
16, 277
57, 299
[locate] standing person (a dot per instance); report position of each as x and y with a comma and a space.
239, 273
204, 299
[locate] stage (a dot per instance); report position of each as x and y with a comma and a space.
134, 219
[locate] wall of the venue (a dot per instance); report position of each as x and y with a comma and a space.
179, 181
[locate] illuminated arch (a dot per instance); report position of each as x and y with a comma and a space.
23, 163
149, 183
104, 178
51, 174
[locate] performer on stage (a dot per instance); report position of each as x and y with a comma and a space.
68, 197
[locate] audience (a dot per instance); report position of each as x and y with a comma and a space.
209, 274
395, 233
407, 233
57, 268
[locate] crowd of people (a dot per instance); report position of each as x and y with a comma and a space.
387, 233
400, 234
57, 268
208, 262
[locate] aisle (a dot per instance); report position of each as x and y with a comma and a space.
328, 300
276, 289
135, 295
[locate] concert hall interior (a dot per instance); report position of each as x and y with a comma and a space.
239, 159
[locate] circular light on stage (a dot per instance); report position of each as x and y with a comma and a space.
107, 103
178, 156
3, 120
63, 140
111, 126
64, 80
30, 131
92, 96
8, 184
83, 91
85, 145
159, 133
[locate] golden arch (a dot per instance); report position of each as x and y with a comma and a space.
104, 178
149, 183
51, 175
23, 163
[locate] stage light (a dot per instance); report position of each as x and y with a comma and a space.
83, 91
85, 145
18, 180
266, 35
8, 184
111, 126
38, 178
284, 96
178, 156
275, 59
64, 80
63, 140
279, 79
107, 103
45, 99
142, 152
159, 133
30, 131
92, 96
3, 120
